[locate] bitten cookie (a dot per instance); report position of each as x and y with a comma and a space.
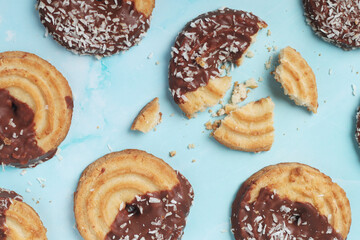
96, 27
290, 201
148, 117
336, 22
131, 195
204, 45
35, 109
297, 78
249, 128
18, 221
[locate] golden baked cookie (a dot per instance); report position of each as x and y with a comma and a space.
205, 45
18, 221
249, 128
131, 194
290, 201
35, 109
148, 117
297, 78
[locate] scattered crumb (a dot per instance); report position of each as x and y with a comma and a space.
157, 63
208, 125
150, 55
268, 33
250, 54
239, 93
221, 112
319, 54
193, 161
212, 126
275, 48
171, 115
23, 172
191, 146
269, 49
172, 153
221, 102
210, 111
97, 127
268, 63
251, 83
353, 89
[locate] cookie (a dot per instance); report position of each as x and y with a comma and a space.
35, 109
148, 118
96, 27
336, 22
290, 201
249, 128
204, 45
131, 195
357, 130
18, 221
297, 78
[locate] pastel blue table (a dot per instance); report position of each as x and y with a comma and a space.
109, 93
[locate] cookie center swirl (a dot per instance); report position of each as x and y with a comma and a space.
5, 202
205, 44
157, 215
271, 217
94, 27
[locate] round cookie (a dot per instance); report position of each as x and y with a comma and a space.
18, 221
290, 201
96, 27
36, 108
131, 195
336, 22
205, 44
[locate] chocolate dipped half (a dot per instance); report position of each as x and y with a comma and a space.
131, 195
96, 27
204, 45
290, 201
18, 221
35, 109
336, 22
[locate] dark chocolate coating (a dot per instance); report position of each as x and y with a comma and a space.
5, 202
209, 40
357, 131
336, 21
18, 145
271, 217
93, 27
157, 215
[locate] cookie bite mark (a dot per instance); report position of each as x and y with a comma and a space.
93, 27
290, 201
206, 43
155, 215
148, 117
297, 78
336, 22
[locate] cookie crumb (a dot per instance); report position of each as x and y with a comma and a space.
172, 153
250, 54
210, 111
221, 112
150, 55
193, 161
251, 83
208, 125
268, 33
157, 63
268, 63
191, 146
239, 93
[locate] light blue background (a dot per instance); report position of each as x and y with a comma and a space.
109, 93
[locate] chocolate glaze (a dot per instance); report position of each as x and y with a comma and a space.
157, 215
357, 131
205, 44
5, 202
69, 102
18, 145
271, 217
335, 21
93, 27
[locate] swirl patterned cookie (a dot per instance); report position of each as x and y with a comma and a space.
290, 201
36, 108
131, 195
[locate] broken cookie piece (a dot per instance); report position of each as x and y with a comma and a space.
297, 78
148, 118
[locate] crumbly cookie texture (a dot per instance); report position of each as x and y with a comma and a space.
148, 118
297, 78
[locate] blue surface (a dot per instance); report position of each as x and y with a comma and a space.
109, 93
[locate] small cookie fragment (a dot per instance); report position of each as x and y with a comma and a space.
148, 118
239, 93
249, 128
297, 78
290, 201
